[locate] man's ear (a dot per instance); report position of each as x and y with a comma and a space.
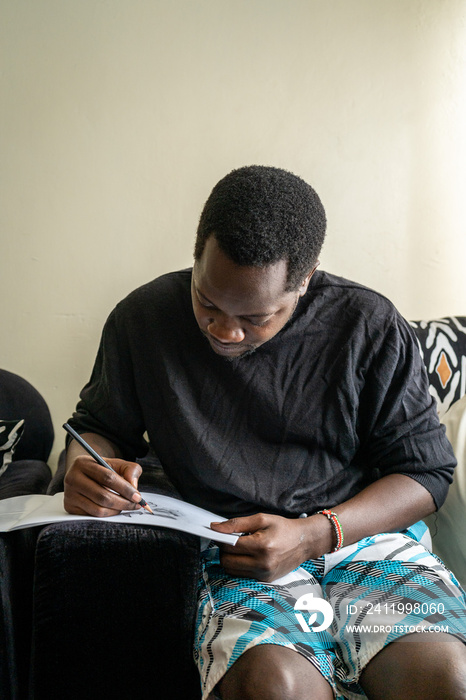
305, 283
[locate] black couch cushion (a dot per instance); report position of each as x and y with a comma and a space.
20, 400
114, 608
28, 473
25, 477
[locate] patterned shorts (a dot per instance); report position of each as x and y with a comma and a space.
337, 611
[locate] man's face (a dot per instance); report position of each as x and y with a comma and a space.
239, 308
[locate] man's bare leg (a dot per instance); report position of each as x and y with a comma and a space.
273, 672
433, 667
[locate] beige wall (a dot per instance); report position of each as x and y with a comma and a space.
118, 117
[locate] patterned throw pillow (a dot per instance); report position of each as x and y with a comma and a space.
443, 347
448, 525
10, 433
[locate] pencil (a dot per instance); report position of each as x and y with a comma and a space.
98, 458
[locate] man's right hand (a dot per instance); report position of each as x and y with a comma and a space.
91, 489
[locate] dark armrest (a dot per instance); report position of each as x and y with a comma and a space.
16, 576
114, 610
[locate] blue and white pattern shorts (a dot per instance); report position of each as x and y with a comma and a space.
379, 589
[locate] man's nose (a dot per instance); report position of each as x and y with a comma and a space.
226, 330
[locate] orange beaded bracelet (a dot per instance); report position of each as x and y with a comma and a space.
333, 517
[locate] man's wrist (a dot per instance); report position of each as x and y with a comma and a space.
337, 528
319, 536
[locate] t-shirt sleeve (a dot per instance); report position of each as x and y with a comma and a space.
109, 403
402, 431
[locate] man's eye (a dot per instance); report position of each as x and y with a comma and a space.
258, 323
205, 304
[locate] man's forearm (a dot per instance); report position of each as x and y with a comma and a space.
388, 505
104, 447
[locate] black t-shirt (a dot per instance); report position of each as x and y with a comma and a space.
338, 398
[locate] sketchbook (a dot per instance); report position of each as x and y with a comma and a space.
29, 511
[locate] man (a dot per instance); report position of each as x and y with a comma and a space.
271, 391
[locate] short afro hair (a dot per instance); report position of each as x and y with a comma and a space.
260, 215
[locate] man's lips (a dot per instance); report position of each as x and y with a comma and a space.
226, 348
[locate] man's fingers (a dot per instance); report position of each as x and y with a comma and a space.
247, 524
130, 471
80, 504
107, 500
98, 491
246, 567
240, 547
114, 479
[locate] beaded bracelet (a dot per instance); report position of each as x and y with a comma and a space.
333, 517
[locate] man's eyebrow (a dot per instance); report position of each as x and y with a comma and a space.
200, 294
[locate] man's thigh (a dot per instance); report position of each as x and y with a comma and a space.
419, 665
379, 590
236, 616
389, 589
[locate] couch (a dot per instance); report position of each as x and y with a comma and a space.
26, 439
113, 605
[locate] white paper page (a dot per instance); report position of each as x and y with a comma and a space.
29, 511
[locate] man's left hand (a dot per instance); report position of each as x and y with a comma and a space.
271, 545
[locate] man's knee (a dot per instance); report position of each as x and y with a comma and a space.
274, 682
270, 672
418, 666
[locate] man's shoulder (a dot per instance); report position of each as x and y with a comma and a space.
168, 288
344, 293
155, 303
344, 309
